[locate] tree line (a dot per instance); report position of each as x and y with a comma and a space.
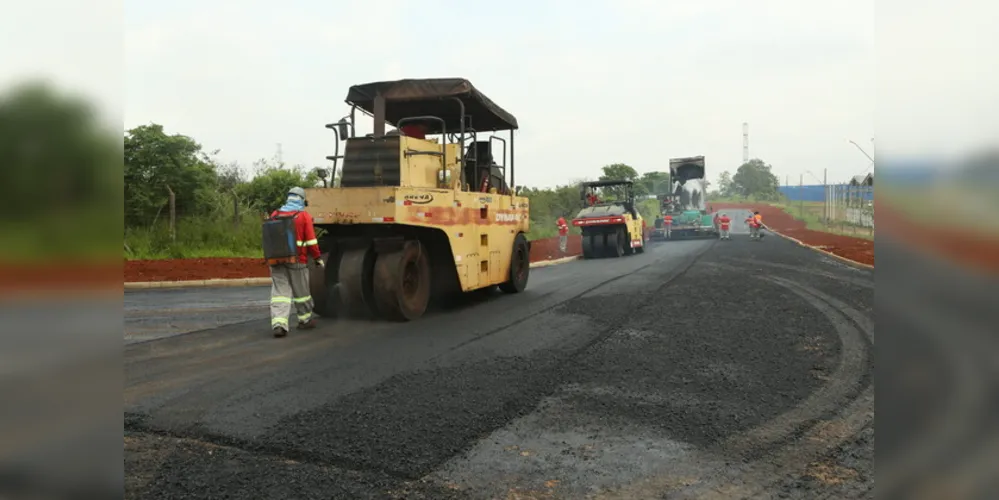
218, 207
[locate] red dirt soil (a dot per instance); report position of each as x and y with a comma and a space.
194, 269
236, 268
972, 250
855, 249
67, 276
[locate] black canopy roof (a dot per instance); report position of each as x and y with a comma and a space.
431, 96
616, 182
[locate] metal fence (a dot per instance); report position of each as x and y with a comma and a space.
849, 204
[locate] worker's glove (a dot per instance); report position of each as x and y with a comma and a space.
320, 263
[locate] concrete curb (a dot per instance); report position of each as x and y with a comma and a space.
212, 283
222, 283
554, 262
817, 249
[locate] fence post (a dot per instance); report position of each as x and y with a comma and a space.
235, 211
825, 197
801, 196
173, 215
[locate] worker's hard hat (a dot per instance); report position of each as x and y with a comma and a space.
297, 191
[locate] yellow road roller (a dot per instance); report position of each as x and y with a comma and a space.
611, 224
426, 209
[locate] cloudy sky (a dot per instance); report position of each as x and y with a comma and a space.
592, 83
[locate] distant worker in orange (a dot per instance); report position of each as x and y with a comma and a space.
724, 225
755, 223
667, 225
563, 234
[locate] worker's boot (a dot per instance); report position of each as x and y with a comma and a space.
307, 325
280, 332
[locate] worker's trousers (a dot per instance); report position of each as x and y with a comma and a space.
563, 242
290, 285
724, 234
754, 232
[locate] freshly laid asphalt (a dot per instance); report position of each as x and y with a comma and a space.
699, 369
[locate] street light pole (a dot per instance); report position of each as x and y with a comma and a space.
862, 150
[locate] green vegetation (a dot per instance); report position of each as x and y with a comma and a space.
60, 181
753, 181
218, 210
810, 212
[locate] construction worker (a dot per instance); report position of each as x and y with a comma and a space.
755, 222
592, 199
290, 282
667, 224
563, 234
724, 225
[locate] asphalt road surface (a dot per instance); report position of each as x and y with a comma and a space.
700, 369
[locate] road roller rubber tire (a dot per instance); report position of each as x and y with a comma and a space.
402, 282
324, 285
614, 246
587, 243
356, 273
600, 245
520, 266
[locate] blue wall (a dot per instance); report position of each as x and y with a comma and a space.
815, 193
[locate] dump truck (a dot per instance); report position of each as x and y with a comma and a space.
687, 201
422, 211
609, 221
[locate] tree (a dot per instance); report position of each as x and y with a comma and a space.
155, 161
268, 189
725, 185
656, 183
55, 139
620, 172
755, 179
60, 176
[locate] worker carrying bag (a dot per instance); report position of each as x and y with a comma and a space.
279, 238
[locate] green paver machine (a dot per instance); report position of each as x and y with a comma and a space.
687, 201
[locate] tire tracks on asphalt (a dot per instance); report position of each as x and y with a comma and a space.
681, 269
790, 441
136, 422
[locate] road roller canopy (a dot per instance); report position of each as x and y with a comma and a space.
615, 182
436, 97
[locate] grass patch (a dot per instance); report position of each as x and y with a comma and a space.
84, 236
959, 206
195, 239
810, 212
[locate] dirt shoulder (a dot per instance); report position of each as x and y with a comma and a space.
856, 249
971, 249
248, 267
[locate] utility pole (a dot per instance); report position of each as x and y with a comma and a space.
745, 143
280, 156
